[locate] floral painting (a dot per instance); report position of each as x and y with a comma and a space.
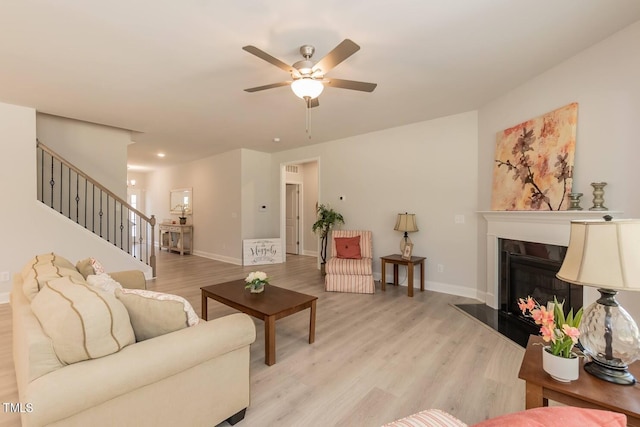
533, 168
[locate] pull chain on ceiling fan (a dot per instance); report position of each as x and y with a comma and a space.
308, 78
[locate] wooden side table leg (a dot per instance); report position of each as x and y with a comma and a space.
395, 274
205, 314
312, 323
270, 340
383, 278
422, 276
534, 398
410, 274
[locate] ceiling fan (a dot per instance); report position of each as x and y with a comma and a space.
308, 76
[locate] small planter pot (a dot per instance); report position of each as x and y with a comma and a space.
257, 289
560, 368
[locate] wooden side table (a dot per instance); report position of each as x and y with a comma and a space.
176, 237
397, 260
586, 392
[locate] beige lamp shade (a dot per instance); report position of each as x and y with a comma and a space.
603, 254
406, 222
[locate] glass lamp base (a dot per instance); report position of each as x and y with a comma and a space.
613, 375
403, 242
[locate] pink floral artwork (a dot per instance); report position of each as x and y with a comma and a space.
534, 163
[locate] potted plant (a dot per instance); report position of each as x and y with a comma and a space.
183, 216
327, 218
561, 332
256, 281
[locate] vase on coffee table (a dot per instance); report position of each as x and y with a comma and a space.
257, 288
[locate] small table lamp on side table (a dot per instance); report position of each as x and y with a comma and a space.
406, 223
605, 254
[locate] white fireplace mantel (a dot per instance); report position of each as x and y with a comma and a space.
550, 227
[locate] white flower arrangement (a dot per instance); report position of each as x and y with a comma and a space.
256, 279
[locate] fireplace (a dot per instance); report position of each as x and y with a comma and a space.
546, 227
529, 269
532, 244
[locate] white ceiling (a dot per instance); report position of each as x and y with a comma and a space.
174, 71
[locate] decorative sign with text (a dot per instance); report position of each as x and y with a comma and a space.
261, 251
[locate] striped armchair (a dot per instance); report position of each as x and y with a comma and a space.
351, 275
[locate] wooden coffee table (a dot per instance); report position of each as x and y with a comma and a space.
272, 304
586, 392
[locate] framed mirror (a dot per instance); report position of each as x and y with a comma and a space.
179, 198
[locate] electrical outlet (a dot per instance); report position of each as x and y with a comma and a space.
458, 219
4, 276
440, 268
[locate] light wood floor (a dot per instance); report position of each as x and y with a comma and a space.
376, 357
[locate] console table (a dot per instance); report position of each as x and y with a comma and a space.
587, 391
176, 237
396, 260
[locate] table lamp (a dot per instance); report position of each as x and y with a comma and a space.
606, 255
405, 222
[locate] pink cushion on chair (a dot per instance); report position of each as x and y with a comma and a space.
565, 416
348, 247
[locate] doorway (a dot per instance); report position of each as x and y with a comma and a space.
299, 185
292, 219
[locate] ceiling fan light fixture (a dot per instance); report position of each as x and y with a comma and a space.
307, 87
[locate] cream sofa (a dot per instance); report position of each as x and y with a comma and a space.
196, 376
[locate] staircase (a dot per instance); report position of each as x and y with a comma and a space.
74, 194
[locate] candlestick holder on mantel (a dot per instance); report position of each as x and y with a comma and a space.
598, 196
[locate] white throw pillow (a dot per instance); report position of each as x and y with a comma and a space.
104, 282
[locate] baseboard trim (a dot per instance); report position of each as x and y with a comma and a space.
443, 288
460, 291
216, 257
4, 297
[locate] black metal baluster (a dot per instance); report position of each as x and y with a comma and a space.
107, 221
121, 224
77, 199
69, 194
85, 202
101, 213
42, 176
52, 183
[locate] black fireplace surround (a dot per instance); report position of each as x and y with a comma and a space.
529, 269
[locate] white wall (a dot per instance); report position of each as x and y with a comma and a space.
257, 190
33, 228
605, 82
427, 168
99, 151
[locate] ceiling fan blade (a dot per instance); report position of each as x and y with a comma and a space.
351, 84
264, 55
271, 86
336, 56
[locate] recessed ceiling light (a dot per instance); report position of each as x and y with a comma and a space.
276, 139
161, 154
